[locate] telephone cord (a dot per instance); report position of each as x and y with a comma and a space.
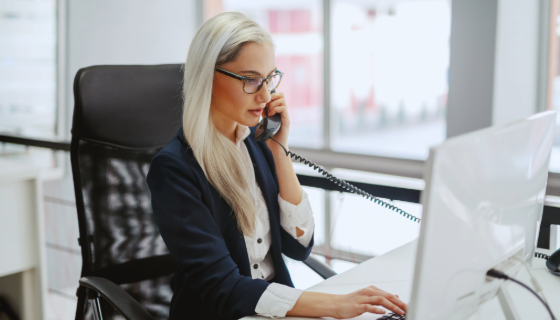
346, 185
541, 255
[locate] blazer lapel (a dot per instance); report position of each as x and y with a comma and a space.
269, 190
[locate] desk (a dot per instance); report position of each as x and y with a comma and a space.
22, 254
393, 272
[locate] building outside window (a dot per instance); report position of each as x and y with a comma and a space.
389, 64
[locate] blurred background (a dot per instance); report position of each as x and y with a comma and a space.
366, 83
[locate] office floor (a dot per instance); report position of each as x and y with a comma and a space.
61, 305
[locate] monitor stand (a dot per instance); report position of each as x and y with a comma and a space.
507, 304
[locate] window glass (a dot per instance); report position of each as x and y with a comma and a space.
363, 227
28, 67
554, 80
297, 30
389, 67
303, 277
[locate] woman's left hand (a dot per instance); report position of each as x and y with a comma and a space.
276, 105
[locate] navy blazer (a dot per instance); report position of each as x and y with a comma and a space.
214, 280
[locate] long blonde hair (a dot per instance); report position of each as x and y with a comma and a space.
217, 42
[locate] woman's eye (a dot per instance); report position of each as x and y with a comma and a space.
252, 80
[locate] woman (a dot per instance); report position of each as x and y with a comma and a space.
227, 206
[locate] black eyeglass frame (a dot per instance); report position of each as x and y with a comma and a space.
242, 78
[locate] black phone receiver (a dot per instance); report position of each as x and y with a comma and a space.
268, 126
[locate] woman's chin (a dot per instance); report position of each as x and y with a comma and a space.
251, 122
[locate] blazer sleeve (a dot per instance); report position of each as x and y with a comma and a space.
291, 247
195, 241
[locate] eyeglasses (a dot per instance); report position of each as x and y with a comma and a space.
252, 84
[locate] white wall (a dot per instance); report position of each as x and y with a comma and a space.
495, 66
124, 32
516, 69
471, 65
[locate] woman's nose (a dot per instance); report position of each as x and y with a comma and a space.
264, 95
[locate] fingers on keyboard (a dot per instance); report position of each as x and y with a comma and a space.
392, 316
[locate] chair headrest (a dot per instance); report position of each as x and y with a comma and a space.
129, 106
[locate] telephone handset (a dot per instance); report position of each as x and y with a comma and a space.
269, 126
552, 261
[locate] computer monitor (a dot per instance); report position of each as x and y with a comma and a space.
484, 195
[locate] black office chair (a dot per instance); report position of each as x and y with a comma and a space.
123, 116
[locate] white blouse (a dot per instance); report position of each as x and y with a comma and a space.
277, 299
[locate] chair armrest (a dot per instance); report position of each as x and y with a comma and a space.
117, 297
137, 270
322, 269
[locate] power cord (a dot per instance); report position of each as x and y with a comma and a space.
500, 275
346, 185
534, 281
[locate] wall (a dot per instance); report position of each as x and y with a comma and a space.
125, 32
516, 68
494, 72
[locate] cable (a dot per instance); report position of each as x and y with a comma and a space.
541, 256
346, 185
536, 295
500, 275
534, 281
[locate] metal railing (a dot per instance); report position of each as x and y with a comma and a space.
31, 142
551, 212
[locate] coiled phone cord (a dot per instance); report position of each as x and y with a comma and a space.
541, 255
346, 185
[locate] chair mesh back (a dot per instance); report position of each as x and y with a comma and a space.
119, 215
123, 116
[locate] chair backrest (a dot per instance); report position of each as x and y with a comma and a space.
123, 115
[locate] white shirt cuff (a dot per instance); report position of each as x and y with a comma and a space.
301, 216
277, 300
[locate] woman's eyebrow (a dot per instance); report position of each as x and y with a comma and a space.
257, 73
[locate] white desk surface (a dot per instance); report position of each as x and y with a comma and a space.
22, 238
14, 171
393, 272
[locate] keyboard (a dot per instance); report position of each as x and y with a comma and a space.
392, 316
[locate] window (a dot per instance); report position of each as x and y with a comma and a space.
388, 71
296, 27
389, 76
28, 67
363, 227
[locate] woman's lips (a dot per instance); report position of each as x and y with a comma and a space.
256, 112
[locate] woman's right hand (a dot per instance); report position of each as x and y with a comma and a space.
344, 306
367, 300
